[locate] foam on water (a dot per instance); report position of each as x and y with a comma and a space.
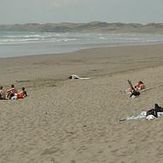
29, 43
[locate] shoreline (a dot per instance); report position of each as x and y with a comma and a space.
94, 46
50, 47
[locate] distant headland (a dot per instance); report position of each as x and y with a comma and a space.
95, 26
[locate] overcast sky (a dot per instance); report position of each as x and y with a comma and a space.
54, 11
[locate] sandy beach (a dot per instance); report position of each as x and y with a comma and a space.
77, 121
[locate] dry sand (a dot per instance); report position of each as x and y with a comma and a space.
77, 121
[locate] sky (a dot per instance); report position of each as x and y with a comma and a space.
56, 11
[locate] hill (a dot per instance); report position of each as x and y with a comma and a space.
86, 27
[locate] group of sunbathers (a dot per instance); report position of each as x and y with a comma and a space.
12, 93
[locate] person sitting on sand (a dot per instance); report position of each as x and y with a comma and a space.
139, 85
133, 92
2, 93
19, 95
11, 92
22, 94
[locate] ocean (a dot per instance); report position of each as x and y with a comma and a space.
13, 44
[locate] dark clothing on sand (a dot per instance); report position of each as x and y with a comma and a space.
155, 111
135, 93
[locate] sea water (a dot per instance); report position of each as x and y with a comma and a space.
14, 44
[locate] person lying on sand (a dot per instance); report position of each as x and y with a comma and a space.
20, 95
73, 76
150, 114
